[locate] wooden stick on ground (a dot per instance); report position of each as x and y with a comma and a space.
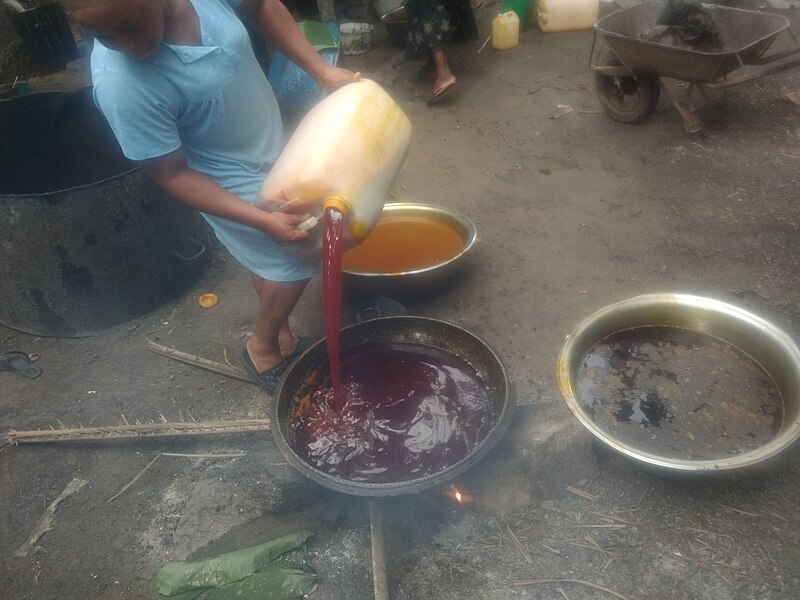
582, 493
576, 581
135, 479
159, 455
380, 581
139, 430
515, 541
199, 361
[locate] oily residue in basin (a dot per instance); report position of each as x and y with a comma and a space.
410, 410
679, 393
401, 244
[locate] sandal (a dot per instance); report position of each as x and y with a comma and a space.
302, 345
441, 91
268, 379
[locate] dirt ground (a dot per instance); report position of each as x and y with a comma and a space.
573, 213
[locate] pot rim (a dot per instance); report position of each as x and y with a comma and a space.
469, 242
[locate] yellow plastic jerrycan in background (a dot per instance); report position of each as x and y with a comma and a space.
345, 153
505, 31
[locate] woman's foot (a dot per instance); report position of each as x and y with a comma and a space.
267, 378
262, 359
300, 345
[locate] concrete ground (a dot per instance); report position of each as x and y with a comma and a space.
573, 213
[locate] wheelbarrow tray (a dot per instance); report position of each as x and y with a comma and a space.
745, 36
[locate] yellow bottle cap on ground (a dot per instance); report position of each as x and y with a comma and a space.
208, 300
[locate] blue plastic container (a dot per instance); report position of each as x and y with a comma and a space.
295, 90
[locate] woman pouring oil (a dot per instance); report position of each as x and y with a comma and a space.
179, 84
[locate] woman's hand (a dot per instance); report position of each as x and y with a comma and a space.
274, 21
282, 227
202, 193
332, 77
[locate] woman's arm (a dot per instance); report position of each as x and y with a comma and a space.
202, 193
275, 23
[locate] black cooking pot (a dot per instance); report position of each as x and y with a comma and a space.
309, 370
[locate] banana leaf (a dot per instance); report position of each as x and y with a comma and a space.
272, 583
186, 580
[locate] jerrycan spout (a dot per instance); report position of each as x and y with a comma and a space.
336, 203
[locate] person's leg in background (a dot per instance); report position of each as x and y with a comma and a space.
428, 30
444, 76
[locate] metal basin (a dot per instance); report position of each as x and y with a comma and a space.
312, 366
396, 22
420, 282
770, 347
88, 241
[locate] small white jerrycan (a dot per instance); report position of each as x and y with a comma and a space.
345, 154
567, 15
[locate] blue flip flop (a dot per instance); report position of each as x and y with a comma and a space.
302, 345
268, 379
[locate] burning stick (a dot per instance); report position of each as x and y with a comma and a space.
457, 495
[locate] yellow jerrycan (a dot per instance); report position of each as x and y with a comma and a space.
345, 153
505, 31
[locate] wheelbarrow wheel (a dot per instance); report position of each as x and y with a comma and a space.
627, 99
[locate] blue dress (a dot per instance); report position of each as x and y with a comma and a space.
214, 102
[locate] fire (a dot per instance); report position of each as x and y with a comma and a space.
458, 495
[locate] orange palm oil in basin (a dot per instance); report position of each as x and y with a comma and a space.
401, 244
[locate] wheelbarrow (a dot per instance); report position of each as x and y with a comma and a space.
629, 70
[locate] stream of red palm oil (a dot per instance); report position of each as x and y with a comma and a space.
404, 411
332, 296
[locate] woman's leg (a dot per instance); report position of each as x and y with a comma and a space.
443, 72
273, 339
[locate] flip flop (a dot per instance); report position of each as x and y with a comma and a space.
441, 91
268, 379
302, 345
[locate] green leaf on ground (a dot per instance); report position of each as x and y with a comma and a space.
186, 580
272, 583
